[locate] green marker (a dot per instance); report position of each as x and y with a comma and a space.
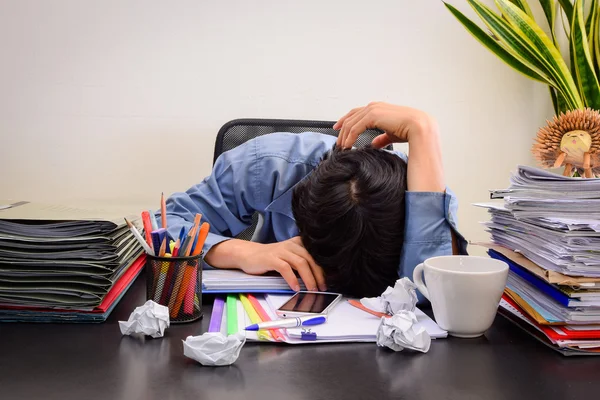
232, 326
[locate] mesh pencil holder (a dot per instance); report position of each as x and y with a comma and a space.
176, 283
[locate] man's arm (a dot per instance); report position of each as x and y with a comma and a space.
430, 228
241, 183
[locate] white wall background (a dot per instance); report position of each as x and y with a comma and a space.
120, 100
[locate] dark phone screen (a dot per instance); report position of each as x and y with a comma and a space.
309, 302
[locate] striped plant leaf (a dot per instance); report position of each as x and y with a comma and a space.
591, 17
590, 27
567, 7
584, 68
523, 5
558, 101
535, 36
550, 13
596, 45
494, 47
519, 46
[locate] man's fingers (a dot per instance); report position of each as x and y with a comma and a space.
303, 268
340, 121
360, 123
286, 271
350, 126
381, 141
317, 271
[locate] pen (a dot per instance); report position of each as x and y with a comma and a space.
290, 322
153, 220
138, 237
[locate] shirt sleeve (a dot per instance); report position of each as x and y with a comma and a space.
227, 198
243, 181
430, 222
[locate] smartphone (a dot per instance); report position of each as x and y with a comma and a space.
306, 303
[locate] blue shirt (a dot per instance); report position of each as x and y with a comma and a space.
260, 175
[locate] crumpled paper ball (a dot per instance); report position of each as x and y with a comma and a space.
150, 319
399, 332
214, 348
402, 297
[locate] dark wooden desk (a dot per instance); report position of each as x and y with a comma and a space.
83, 362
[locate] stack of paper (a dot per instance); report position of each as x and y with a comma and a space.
548, 230
63, 264
234, 281
345, 323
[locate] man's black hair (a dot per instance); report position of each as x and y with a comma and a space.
350, 215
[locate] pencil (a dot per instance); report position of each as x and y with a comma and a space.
163, 211
217, 315
254, 317
265, 317
147, 228
189, 299
163, 247
232, 325
138, 237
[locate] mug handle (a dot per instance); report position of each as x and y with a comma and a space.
418, 280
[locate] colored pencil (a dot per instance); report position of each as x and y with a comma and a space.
254, 317
138, 237
217, 315
265, 317
232, 325
147, 228
163, 211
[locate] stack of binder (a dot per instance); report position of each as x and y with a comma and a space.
63, 264
548, 230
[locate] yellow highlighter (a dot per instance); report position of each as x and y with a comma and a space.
254, 318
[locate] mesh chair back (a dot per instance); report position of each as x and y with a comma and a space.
239, 131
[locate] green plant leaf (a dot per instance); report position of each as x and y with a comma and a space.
518, 45
550, 13
596, 45
554, 99
567, 6
584, 68
522, 4
493, 45
535, 37
590, 27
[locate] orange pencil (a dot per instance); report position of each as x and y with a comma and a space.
201, 238
264, 316
163, 211
180, 281
163, 248
188, 306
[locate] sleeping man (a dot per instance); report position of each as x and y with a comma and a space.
342, 219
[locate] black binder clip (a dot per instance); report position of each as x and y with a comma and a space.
308, 335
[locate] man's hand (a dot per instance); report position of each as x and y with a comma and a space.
400, 124
257, 258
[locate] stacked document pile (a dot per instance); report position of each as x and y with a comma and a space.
548, 231
234, 281
62, 264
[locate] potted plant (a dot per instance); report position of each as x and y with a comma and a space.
513, 34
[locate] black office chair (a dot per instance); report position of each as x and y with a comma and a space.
239, 131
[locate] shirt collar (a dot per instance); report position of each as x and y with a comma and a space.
283, 203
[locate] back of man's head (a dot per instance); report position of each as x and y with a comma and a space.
350, 215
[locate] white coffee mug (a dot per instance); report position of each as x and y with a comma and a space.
464, 291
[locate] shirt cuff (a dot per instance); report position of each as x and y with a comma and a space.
212, 239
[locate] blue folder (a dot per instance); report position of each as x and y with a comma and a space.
540, 284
